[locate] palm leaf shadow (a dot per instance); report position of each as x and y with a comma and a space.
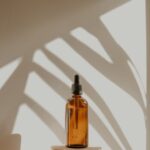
28, 41
17, 99
17, 94
47, 118
95, 121
15, 87
91, 92
119, 72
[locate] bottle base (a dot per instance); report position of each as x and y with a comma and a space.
76, 146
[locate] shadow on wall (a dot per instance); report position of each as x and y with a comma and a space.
10, 142
28, 25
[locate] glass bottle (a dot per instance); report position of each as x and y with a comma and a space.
77, 118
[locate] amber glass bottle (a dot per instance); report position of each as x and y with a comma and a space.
77, 118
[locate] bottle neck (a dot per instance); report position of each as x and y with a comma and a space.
76, 96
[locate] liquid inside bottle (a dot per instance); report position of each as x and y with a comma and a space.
77, 118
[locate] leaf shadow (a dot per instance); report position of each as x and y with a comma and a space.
91, 92
95, 121
10, 142
25, 48
119, 71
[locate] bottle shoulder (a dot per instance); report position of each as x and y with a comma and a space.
80, 100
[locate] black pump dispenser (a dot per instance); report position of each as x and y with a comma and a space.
76, 87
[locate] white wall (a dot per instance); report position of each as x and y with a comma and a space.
44, 43
148, 71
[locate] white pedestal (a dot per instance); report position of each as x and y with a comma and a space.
66, 148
